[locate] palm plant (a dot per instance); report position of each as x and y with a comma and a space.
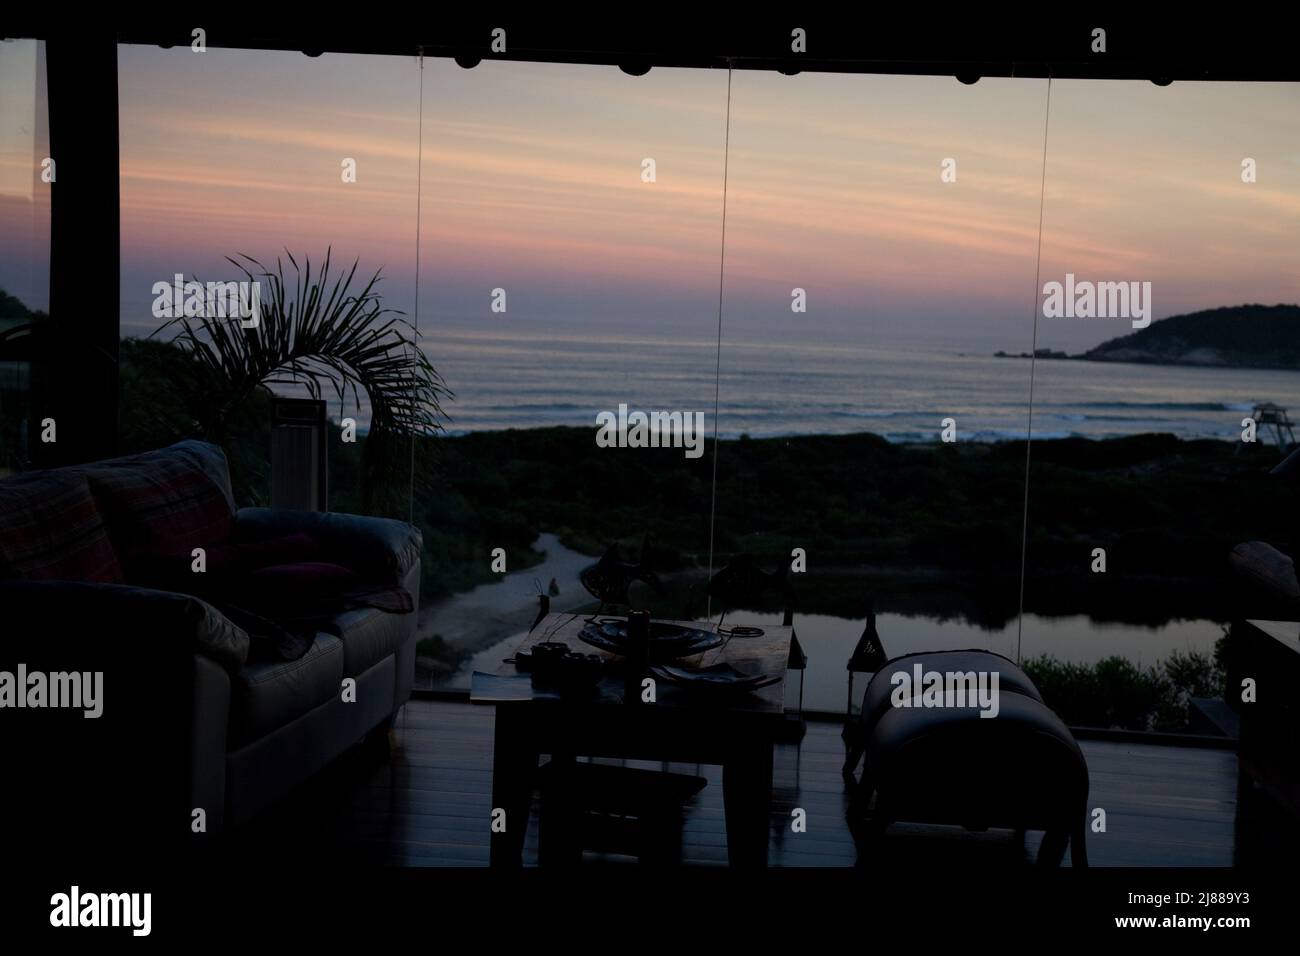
315, 331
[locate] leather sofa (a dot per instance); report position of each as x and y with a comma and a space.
191, 720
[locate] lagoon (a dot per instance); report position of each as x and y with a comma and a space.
828, 641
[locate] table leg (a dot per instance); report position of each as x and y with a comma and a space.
747, 796
559, 825
514, 766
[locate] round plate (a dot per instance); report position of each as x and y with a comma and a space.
667, 641
720, 678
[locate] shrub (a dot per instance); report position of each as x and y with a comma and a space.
1116, 693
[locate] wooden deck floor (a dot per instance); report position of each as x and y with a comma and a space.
429, 804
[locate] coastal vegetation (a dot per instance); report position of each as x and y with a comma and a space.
942, 518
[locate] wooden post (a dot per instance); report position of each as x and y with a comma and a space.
75, 373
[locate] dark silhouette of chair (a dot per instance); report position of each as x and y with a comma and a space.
1019, 770
609, 579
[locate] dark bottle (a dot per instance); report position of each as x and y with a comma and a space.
637, 659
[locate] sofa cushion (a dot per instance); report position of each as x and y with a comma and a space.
209, 459
165, 502
51, 529
369, 635
298, 591
380, 550
117, 621
243, 556
228, 562
269, 694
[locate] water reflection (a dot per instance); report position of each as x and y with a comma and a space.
829, 640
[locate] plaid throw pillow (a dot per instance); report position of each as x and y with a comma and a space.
52, 530
160, 504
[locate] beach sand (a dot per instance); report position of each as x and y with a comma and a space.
476, 620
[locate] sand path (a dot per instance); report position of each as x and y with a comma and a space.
477, 619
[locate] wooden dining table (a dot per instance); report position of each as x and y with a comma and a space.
736, 731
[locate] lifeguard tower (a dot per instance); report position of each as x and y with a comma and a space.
1266, 413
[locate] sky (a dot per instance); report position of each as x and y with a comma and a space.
528, 178
24, 200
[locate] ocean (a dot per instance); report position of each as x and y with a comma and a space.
771, 389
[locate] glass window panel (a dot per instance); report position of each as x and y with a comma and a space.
1138, 459
285, 159
570, 244
24, 239
881, 237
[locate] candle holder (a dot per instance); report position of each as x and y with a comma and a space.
868, 657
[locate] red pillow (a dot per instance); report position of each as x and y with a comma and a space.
301, 590
252, 555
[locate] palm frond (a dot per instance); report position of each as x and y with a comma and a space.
319, 333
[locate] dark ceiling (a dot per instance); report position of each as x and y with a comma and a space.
1229, 47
